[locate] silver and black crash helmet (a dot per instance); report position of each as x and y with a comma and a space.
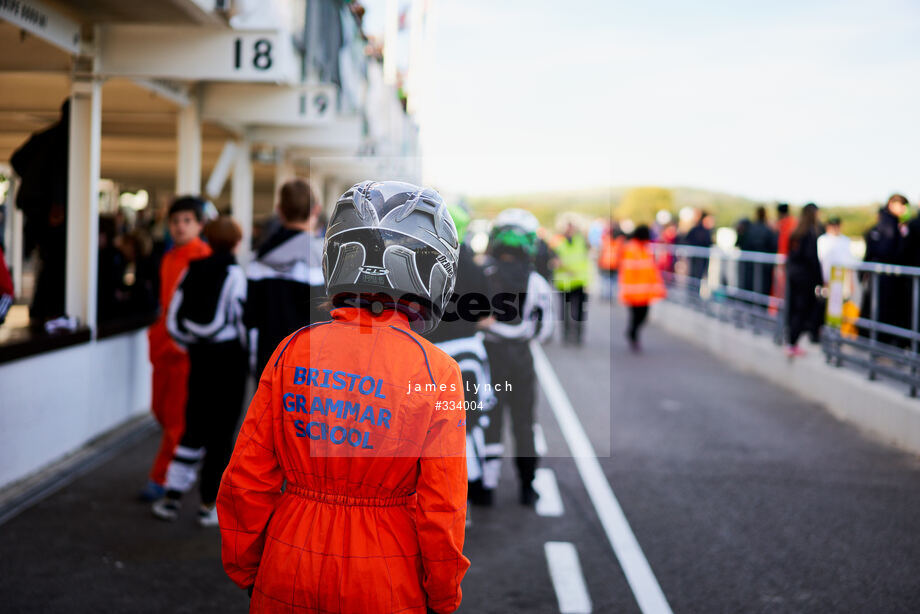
394, 240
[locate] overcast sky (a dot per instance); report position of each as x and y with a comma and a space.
787, 100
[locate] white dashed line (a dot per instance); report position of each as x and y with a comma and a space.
568, 581
550, 501
638, 573
539, 440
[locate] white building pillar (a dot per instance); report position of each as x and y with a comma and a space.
83, 199
16, 246
241, 195
390, 36
188, 158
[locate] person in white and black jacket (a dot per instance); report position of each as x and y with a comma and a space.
206, 316
522, 310
286, 285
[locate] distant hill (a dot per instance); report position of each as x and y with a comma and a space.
604, 202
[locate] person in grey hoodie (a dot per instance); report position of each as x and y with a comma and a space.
286, 284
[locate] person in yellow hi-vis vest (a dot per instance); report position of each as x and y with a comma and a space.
571, 277
640, 282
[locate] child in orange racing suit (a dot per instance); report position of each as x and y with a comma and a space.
206, 318
170, 362
346, 491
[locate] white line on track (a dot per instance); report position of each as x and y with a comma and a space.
641, 580
539, 440
568, 581
550, 501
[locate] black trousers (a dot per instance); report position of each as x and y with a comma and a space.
637, 315
216, 386
805, 312
574, 306
515, 388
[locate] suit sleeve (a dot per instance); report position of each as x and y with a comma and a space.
441, 491
173, 319
542, 306
250, 488
254, 310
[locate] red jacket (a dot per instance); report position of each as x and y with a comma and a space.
373, 511
173, 265
6, 282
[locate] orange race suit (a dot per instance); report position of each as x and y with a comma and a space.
347, 488
640, 281
170, 362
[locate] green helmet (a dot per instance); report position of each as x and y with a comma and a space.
514, 229
461, 217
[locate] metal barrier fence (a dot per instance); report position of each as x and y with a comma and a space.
875, 308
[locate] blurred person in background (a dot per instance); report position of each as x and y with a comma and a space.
640, 282
668, 236
885, 245
608, 258
910, 242
785, 224
910, 252
757, 237
523, 304
700, 235
141, 281
544, 258
6, 288
110, 292
41, 164
571, 277
459, 336
804, 306
286, 278
170, 362
834, 249
206, 318
596, 230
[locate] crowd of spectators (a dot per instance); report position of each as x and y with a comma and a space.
810, 245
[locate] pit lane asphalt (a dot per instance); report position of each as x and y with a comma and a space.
744, 498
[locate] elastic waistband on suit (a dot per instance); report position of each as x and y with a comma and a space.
332, 499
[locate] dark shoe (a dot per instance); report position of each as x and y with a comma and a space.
483, 497
529, 496
151, 492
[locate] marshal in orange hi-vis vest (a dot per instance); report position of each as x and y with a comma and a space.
361, 421
639, 280
609, 257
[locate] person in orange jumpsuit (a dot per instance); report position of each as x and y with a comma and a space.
170, 362
640, 282
346, 491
